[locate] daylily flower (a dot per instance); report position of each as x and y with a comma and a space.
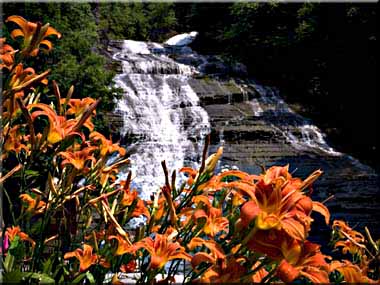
12, 232
124, 245
211, 217
21, 79
350, 240
240, 184
260, 274
14, 141
85, 256
32, 204
303, 260
78, 107
161, 250
79, 158
275, 206
59, 126
6, 55
215, 256
106, 146
129, 197
129, 267
231, 272
140, 209
351, 272
34, 35
192, 173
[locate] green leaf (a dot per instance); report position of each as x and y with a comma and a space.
90, 277
22, 277
79, 278
8, 262
47, 266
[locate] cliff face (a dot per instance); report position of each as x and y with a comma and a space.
257, 128
253, 139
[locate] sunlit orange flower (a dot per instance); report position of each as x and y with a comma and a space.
237, 183
303, 260
14, 141
215, 256
350, 240
124, 245
275, 206
79, 158
34, 35
108, 173
351, 272
161, 250
260, 274
129, 267
230, 272
59, 126
24, 78
85, 256
129, 197
140, 209
12, 232
192, 173
211, 217
20, 80
6, 55
77, 107
32, 204
106, 146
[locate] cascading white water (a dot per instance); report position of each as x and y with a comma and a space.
160, 108
300, 134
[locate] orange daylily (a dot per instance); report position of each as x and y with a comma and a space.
140, 209
279, 203
78, 107
215, 256
21, 79
59, 126
260, 274
34, 35
124, 245
6, 55
230, 272
24, 78
303, 260
106, 146
129, 197
12, 232
85, 256
211, 217
79, 158
14, 141
242, 184
192, 173
351, 272
161, 250
32, 204
129, 267
350, 240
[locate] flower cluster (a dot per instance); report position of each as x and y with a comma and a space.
70, 217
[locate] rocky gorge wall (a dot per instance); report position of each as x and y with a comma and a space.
258, 129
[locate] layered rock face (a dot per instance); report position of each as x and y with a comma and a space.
258, 133
258, 129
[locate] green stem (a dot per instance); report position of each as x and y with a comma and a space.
10, 205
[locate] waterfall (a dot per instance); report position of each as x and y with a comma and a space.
297, 130
161, 110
